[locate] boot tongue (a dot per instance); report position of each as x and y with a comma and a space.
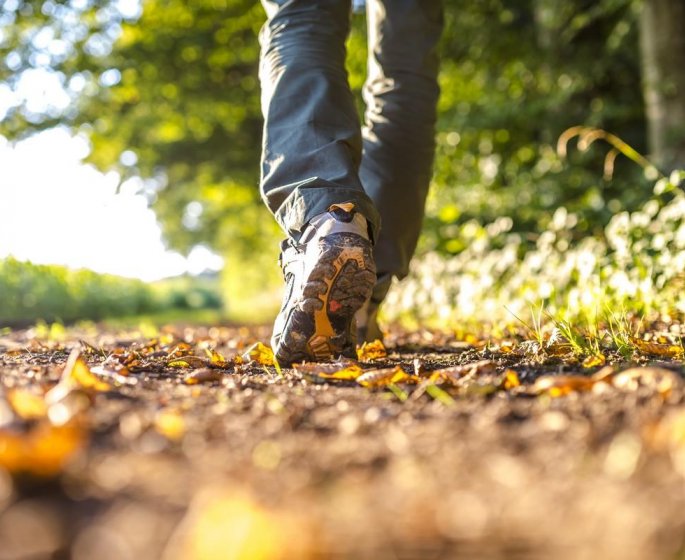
338, 219
342, 212
345, 206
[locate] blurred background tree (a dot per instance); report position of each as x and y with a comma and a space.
168, 90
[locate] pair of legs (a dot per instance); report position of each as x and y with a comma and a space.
316, 154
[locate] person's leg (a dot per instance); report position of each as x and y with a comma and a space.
312, 140
401, 95
310, 162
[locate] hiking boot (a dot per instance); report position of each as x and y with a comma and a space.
329, 275
366, 318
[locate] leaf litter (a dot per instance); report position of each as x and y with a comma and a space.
168, 419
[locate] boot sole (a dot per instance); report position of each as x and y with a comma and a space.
318, 327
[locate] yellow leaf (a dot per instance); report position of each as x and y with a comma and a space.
371, 351
259, 353
216, 359
473, 340
560, 385
656, 349
511, 379
181, 349
84, 378
594, 361
455, 373
203, 375
383, 377
336, 371
27, 405
224, 524
188, 362
558, 348
170, 424
77, 374
43, 451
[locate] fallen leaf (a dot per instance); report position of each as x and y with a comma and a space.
371, 351
510, 379
473, 340
479, 389
216, 359
558, 349
335, 371
560, 385
89, 348
27, 405
594, 361
44, 451
170, 424
203, 375
657, 349
259, 353
181, 349
386, 376
455, 373
188, 362
222, 523
77, 374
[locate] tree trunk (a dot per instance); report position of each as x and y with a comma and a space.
662, 34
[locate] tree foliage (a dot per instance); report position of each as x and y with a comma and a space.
171, 94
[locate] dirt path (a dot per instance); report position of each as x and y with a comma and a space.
248, 463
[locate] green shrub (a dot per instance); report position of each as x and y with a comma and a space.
29, 292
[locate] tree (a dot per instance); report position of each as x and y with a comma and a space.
171, 94
663, 62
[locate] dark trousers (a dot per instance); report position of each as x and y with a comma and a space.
316, 153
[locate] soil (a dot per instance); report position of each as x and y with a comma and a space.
253, 463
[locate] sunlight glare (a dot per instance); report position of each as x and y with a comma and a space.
56, 210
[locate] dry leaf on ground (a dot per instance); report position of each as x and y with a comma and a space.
203, 375
455, 373
371, 351
27, 405
510, 380
188, 362
77, 374
335, 371
594, 361
657, 349
560, 385
383, 377
43, 451
259, 353
170, 423
224, 524
216, 359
